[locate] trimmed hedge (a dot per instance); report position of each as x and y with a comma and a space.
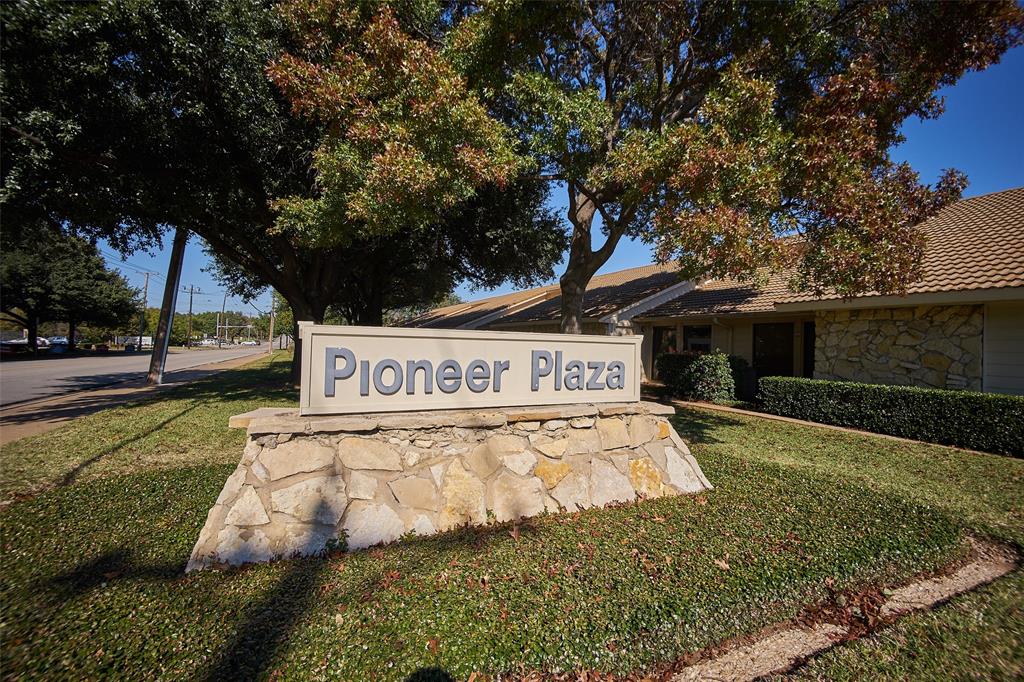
966, 419
698, 376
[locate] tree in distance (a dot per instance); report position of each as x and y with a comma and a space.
48, 276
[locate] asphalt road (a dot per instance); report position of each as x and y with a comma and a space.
52, 375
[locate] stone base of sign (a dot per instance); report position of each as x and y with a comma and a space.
307, 483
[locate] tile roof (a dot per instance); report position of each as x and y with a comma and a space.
725, 296
976, 243
453, 316
605, 294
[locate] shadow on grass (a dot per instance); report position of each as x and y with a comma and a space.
268, 622
432, 674
700, 426
107, 568
72, 475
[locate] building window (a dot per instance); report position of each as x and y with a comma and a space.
664, 341
697, 338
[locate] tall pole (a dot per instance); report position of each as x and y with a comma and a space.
270, 341
158, 360
188, 339
142, 315
224, 316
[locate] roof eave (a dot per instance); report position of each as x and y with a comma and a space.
926, 298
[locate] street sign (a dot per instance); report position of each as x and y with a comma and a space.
391, 369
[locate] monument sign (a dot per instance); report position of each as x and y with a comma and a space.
441, 429
391, 369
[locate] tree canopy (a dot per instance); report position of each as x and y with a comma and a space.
734, 135
121, 119
315, 143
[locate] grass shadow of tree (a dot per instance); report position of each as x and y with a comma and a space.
72, 474
106, 568
699, 426
268, 622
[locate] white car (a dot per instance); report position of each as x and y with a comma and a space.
249, 343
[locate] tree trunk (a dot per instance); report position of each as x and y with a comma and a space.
303, 311
573, 284
581, 265
71, 335
584, 261
33, 333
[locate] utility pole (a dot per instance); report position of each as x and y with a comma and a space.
270, 341
223, 314
158, 360
142, 315
188, 339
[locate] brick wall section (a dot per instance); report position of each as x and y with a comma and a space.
930, 346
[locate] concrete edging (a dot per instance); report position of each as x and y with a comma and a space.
780, 650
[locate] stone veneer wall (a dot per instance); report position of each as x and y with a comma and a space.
931, 346
303, 482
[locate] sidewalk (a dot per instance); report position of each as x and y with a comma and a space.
39, 416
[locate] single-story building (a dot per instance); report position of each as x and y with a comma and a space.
960, 326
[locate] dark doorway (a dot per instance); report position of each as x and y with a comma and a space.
773, 349
809, 349
664, 341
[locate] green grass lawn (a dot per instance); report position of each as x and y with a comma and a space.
93, 586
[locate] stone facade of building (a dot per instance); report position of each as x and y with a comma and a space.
307, 483
930, 346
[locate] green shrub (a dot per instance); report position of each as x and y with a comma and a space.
698, 376
743, 377
966, 419
672, 368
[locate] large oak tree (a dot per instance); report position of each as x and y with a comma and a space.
734, 135
122, 119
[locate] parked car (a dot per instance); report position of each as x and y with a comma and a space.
249, 343
19, 346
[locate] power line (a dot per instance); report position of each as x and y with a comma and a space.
130, 265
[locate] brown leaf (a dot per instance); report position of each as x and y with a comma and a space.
722, 564
432, 645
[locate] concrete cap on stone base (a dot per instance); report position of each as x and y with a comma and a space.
274, 420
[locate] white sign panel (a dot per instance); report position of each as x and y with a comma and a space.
390, 369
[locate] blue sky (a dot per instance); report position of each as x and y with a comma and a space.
980, 134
